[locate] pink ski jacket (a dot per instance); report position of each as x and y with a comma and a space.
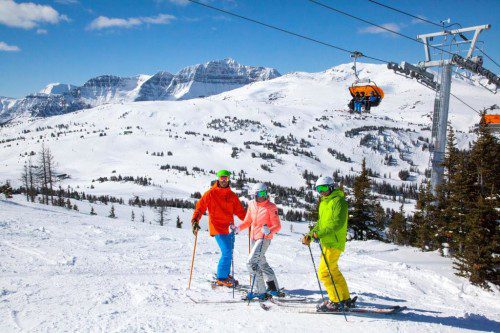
258, 214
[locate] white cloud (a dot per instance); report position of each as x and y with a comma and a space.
67, 2
103, 22
41, 31
8, 48
28, 15
186, 2
377, 30
179, 2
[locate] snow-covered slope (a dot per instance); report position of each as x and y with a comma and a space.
68, 271
273, 130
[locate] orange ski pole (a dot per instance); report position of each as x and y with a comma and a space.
192, 259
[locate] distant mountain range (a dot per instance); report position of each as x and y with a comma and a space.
196, 81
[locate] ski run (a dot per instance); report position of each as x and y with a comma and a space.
64, 271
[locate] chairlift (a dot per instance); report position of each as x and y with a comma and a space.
493, 122
364, 87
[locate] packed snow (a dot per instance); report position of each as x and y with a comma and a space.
67, 271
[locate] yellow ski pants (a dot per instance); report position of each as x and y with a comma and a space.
332, 257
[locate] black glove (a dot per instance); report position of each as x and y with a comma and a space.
195, 227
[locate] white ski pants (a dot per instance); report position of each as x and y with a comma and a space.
258, 266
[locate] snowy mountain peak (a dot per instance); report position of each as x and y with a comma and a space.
211, 78
57, 88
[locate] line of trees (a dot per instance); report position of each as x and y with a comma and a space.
461, 218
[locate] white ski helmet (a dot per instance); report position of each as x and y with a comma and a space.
325, 181
258, 187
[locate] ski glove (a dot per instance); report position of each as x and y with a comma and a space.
234, 229
195, 227
306, 240
265, 230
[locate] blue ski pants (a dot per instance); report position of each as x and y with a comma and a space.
226, 245
357, 106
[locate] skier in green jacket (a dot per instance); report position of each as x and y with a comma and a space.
331, 231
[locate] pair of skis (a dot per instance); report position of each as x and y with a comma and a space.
300, 302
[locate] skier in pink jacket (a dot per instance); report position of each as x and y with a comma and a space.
262, 216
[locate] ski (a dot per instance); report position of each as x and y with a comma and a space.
363, 311
289, 303
231, 301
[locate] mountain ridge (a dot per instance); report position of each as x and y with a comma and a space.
195, 81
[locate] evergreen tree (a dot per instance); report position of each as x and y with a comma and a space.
480, 258
485, 155
312, 212
423, 220
380, 217
363, 222
112, 212
69, 205
398, 232
92, 211
178, 223
459, 188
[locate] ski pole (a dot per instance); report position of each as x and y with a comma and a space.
232, 261
316, 273
255, 273
331, 278
249, 249
192, 259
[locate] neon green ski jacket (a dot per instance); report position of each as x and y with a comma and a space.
331, 227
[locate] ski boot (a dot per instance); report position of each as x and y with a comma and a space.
329, 306
252, 295
273, 291
229, 282
350, 303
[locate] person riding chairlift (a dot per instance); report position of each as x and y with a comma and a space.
374, 98
358, 102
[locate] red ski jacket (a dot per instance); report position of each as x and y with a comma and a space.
222, 205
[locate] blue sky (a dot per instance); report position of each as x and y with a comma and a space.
70, 41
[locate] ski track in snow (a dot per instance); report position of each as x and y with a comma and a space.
68, 271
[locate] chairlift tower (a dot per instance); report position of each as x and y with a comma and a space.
442, 101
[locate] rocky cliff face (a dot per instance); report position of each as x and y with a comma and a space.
156, 88
216, 77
